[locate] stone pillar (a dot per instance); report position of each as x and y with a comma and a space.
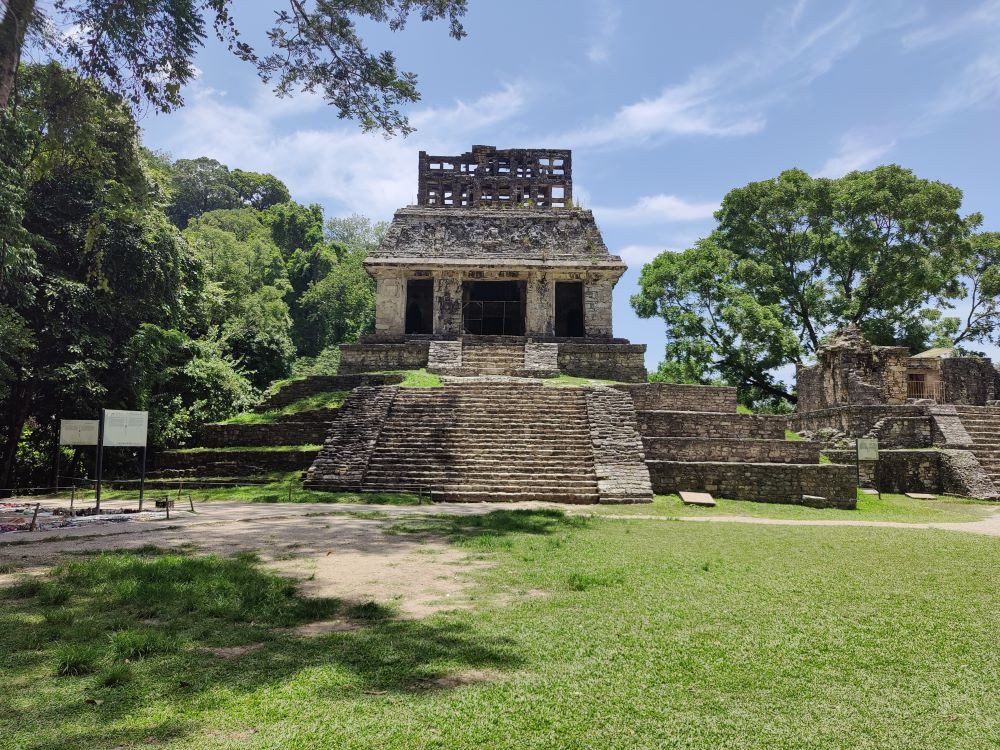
448, 304
540, 305
597, 306
390, 306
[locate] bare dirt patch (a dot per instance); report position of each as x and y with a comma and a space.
338, 556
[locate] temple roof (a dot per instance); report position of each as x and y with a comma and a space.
495, 235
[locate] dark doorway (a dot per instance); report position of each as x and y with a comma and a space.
420, 306
493, 308
569, 308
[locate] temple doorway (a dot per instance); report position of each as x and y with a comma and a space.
569, 309
493, 308
420, 306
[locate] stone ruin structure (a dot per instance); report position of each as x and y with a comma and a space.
936, 414
495, 270
496, 282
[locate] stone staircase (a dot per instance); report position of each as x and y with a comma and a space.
983, 425
492, 358
487, 441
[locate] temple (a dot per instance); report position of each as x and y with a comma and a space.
494, 256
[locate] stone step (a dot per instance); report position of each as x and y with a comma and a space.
486, 497
475, 484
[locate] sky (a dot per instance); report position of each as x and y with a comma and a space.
666, 106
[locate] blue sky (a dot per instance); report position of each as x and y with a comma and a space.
666, 106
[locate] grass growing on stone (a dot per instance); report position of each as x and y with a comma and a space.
572, 380
602, 634
888, 507
328, 400
415, 378
309, 447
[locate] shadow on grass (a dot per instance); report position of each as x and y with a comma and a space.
497, 524
165, 629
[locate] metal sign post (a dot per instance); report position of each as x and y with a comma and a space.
77, 432
100, 460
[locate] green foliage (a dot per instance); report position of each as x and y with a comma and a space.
75, 659
144, 51
795, 258
329, 400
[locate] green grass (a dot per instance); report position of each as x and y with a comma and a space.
793, 436
608, 634
415, 378
328, 400
274, 490
888, 507
572, 380
741, 409
310, 447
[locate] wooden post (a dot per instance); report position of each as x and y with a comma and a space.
191, 500
166, 505
34, 517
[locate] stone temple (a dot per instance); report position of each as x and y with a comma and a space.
495, 271
497, 282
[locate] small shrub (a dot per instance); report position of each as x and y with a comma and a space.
53, 593
25, 589
138, 644
58, 618
115, 675
75, 659
6, 568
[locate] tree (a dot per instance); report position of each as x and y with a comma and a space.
96, 256
798, 257
981, 290
144, 50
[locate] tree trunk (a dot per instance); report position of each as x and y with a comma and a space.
15, 23
17, 414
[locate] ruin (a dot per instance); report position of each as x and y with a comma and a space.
495, 271
935, 414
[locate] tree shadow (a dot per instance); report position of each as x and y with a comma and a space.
163, 618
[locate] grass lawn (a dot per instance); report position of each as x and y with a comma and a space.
572, 380
415, 378
328, 400
273, 489
606, 634
888, 507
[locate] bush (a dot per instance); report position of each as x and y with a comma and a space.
75, 659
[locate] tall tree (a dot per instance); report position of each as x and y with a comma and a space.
873, 248
144, 49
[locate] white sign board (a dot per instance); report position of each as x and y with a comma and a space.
78, 431
867, 449
125, 429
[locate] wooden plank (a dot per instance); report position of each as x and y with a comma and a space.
921, 496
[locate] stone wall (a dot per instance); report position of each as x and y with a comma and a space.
948, 429
541, 357
373, 357
968, 380
679, 397
731, 450
711, 425
343, 460
625, 362
274, 433
952, 472
853, 421
902, 432
309, 386
849, 370
619, 460
767, 483
234, 462
443, 356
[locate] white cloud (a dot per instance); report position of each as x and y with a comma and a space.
608, 17
856, 152
640, 255
976, 20
358, 172
730, 98
978, 84
657, 209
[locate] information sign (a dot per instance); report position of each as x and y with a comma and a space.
125, 429
78, 431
